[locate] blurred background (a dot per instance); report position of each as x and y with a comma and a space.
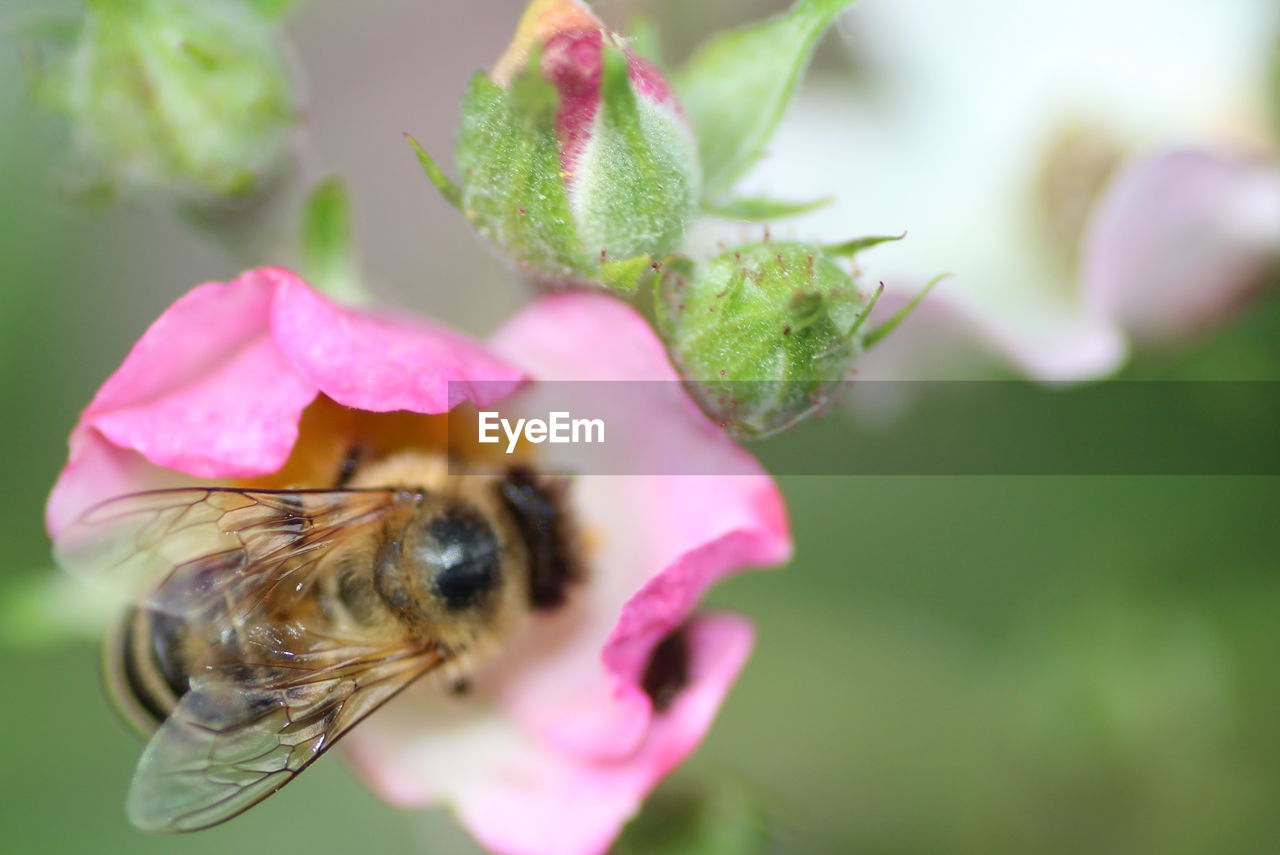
951, 664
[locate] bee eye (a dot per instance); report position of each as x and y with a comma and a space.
460, 552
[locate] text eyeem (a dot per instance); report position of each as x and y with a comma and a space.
558, 428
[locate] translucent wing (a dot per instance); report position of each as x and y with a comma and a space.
276, 680
180, 551
256, 716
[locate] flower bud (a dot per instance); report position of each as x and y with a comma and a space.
764, 333
190, 99
576, 160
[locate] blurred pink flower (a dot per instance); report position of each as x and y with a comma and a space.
1180, 239
559, 741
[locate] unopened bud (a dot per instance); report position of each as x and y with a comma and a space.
763, 334
190, 99
575, 158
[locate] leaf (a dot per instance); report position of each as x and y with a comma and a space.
328, 248
737, 86
758, 210
878, 334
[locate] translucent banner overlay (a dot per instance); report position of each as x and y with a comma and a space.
883, 428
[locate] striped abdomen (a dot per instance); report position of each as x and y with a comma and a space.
148, 660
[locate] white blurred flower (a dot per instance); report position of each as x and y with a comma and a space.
999, 134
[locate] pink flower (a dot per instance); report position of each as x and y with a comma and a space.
216, 387
557, 742
1180, 239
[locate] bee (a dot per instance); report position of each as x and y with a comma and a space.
268, 623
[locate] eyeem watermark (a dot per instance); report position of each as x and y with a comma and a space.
558, 428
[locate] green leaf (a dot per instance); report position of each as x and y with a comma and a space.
328, 248
761, 210
435, 174
737, 86
850, 248
878, 334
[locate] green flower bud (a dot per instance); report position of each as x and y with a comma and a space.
189, 99
576, 160
763, 334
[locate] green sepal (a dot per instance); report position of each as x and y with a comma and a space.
736, 87
866, 313
624, 276
760, 210
678, 270
329, 261
643, 206
878, 334
450, 191
850, 248
513, 191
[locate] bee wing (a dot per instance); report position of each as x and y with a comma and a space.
182, 550
259, 714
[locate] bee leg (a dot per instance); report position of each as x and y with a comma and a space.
460, 687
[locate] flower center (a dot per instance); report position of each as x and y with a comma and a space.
1074, 169
334, 441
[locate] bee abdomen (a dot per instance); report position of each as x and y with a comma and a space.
147, 666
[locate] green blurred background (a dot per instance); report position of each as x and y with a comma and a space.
952, 664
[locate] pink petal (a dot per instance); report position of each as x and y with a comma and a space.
237, 420
382, 363
520, 797
952, 337
188, 341
1180, 238
658, 541
203, 392
97, 471
216, 386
